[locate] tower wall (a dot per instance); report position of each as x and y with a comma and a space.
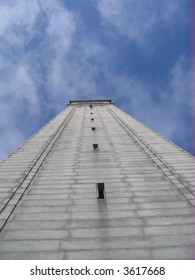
49, 197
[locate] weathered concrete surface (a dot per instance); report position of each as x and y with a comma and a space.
148, 210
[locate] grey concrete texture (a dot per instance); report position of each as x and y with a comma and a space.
48, 191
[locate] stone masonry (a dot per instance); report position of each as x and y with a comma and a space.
48, 190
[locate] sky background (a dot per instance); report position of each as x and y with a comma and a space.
134, 52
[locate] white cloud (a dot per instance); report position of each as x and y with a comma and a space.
47, 58
61, 25
33, 36
138, 19
75, 77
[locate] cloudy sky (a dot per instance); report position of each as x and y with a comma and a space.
134, 52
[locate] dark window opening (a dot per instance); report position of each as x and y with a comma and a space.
95, 146
100, 190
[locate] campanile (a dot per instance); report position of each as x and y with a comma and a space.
94, 183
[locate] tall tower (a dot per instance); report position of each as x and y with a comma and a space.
94, 183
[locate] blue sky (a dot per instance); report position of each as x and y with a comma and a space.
134, 52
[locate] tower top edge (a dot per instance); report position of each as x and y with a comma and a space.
85, 102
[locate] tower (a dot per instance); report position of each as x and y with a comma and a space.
94, 183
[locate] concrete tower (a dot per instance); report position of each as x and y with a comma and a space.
94, 183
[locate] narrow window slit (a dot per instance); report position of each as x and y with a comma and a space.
100, 191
